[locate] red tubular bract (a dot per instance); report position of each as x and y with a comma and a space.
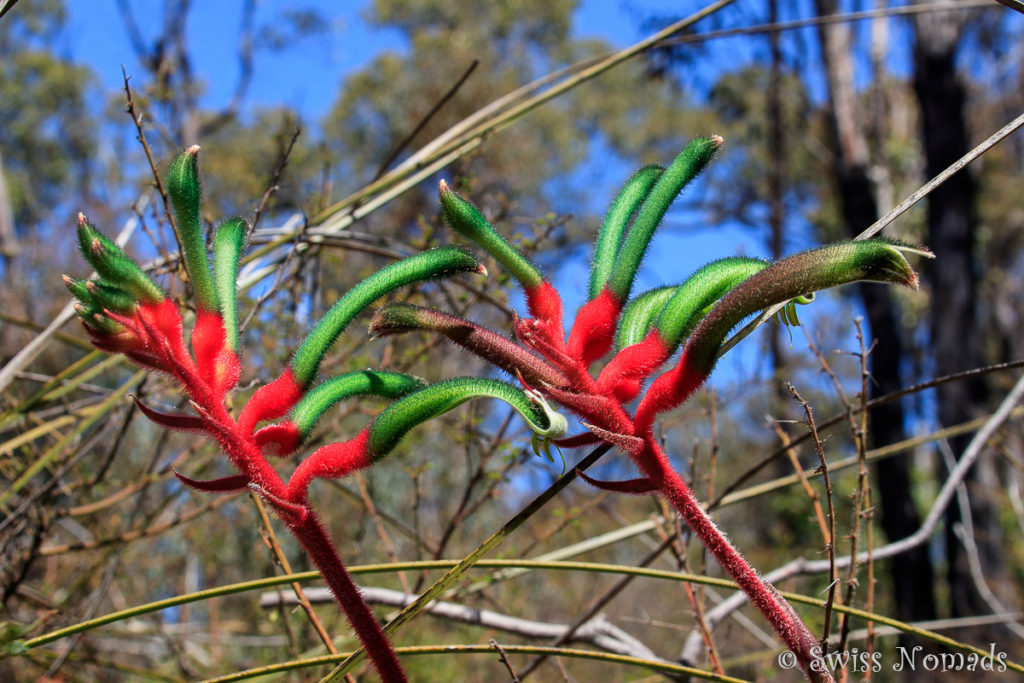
207, 342
594, 329
544, 303
279, 439
270, 401
626, 372
330, 462
165, 318
666, 392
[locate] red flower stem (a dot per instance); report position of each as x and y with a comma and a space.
310, 533
780, 615
247, 457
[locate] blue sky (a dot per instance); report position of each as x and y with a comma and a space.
307, 77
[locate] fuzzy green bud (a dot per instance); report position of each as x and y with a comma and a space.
114, 265
690, 162
365, 383
467, 220
622, 209
874, 260
399, 418
228, 243
186, 195
694, 298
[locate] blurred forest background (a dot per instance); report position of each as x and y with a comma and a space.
832, 112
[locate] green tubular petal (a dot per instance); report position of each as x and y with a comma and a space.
228, 244
110, 297
639, 314
186, 196
690, 162
114, 265
875, 260
103, 324
622, 209
693, 298
365, 383
87, 311
428, 265
467, 220
400, 417
79, 290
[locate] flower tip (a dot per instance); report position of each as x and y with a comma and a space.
193, 150
68, 281
480, 269
96, 246
919, 250
442, 186
718, 140
82, 220
910, 278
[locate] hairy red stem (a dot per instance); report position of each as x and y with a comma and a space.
310, 533
247, 457
655, 464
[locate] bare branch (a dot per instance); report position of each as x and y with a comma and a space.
597, 631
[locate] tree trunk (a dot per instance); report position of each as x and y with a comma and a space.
955, 332
911, 572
